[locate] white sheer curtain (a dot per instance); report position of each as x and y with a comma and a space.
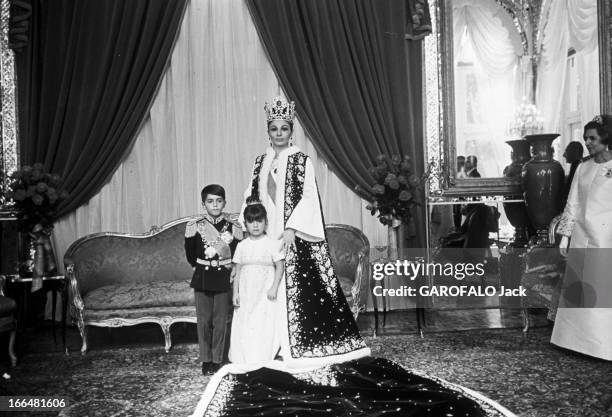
484, 25
552, 67
206, 125
584, 38
571, 24
582, 24
487, 51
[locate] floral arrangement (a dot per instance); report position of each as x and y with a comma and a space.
35, 196
395, 190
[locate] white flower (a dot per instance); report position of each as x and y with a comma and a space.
210, 252
227, 237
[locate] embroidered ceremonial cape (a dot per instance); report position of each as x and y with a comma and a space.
320, 324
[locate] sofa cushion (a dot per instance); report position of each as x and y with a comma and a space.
140, 295
109, 259
347, 286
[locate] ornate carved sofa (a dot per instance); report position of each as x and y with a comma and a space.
123, 279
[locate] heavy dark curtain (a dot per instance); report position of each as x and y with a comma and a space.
87, 72
355, 78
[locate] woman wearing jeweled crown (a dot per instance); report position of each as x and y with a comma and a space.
583, 321
325, 368
317, 325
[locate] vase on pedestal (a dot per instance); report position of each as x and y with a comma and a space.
542, 180
44, 256
37, 257
395, 238
517, 212
27, 252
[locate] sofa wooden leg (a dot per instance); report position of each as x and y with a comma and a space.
11, 348
83, 332
526, 322
84, 345
166, 329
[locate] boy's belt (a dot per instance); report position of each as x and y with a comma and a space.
214, 262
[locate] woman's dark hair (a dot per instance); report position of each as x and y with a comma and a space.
254, 211
214, 189
290, 124
603, 125
575, 147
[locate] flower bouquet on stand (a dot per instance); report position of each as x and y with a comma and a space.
34, 196
394, 195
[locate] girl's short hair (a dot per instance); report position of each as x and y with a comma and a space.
255, 212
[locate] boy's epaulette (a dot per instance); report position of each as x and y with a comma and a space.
192, 227
233, 218
237, 232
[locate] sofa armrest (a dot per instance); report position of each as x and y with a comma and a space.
68, 261
357, 289
75, 293
2, 282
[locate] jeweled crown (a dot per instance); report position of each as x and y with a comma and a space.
280, 109
250, 201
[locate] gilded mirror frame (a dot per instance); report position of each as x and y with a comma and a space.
9, 144
604, 16
446, 183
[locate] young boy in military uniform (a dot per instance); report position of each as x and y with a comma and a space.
210, 242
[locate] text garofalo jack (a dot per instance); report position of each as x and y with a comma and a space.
413, 269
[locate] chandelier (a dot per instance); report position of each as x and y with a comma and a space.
527, 120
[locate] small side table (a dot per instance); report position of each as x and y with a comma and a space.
419, 309
372, 284
57, 283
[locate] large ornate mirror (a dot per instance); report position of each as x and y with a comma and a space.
498, 70
507, 68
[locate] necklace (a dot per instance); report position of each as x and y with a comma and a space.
274, 165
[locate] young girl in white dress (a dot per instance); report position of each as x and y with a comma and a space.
259, 270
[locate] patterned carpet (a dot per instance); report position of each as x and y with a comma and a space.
531, 378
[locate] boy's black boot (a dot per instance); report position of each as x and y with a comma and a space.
207, 368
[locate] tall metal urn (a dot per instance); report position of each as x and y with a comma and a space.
542, 181
517, 212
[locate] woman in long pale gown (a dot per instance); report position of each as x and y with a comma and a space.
584, 319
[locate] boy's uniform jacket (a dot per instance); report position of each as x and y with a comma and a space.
209, 245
